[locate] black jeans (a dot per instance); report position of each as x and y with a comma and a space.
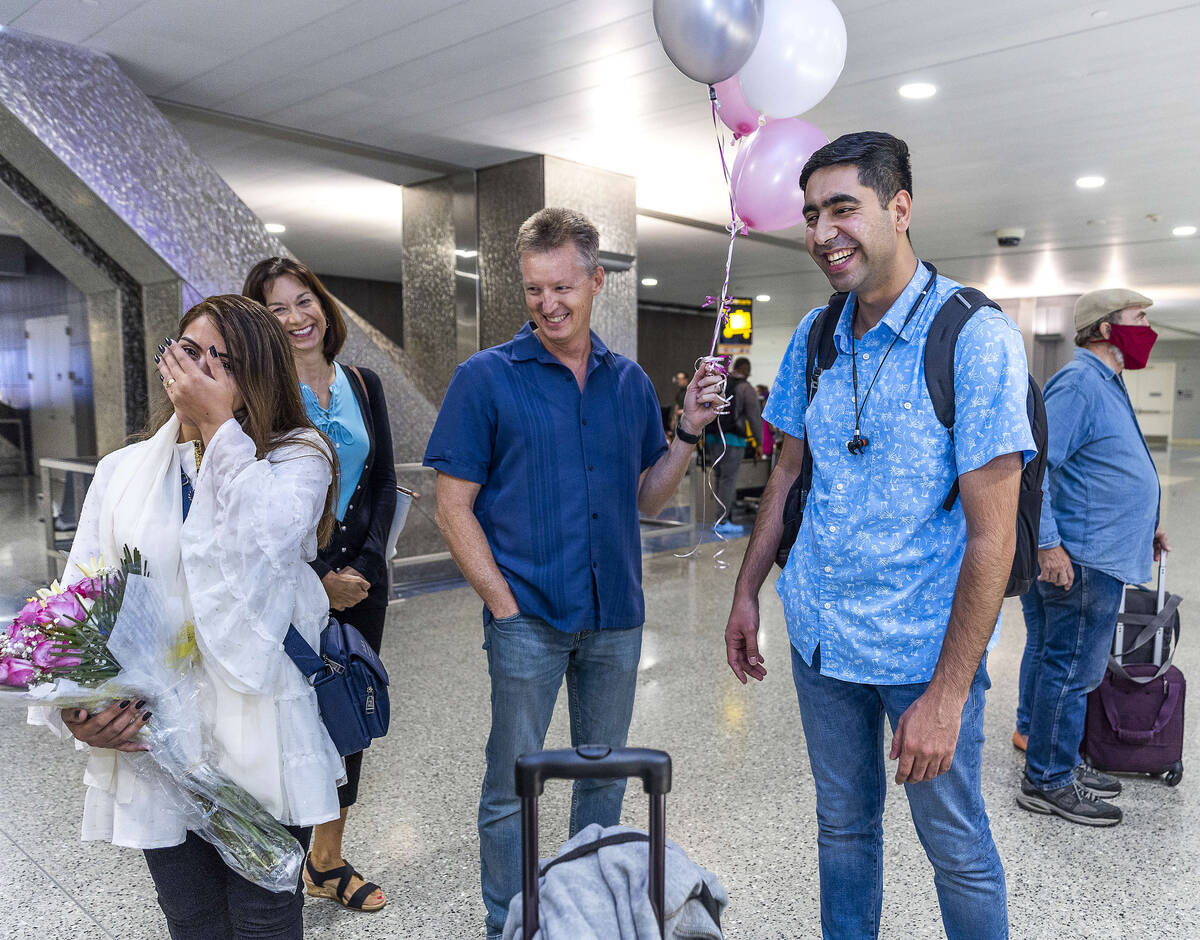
369, 622
204, 899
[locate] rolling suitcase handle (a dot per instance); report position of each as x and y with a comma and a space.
588, 762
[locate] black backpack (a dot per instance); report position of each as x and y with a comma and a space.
957, 309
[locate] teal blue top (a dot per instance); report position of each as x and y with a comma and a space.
342, 422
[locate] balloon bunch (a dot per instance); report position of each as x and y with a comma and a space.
764, 63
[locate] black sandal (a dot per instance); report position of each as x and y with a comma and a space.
315, 881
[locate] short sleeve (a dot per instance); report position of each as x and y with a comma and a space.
461, 443
654, 438
789, 395
991, 383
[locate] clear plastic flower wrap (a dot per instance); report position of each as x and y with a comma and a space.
118, 636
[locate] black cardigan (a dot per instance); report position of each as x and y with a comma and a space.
358, 540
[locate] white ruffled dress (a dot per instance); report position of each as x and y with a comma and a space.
240, 564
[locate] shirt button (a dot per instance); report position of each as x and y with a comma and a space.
337, 446
343, 548
908, 406
593, 564
866, 355
585, 420
828, 606
841, 486
351, 506
590, 467
595, 515
833, 528
829, 569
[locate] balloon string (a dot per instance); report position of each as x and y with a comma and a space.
736, 227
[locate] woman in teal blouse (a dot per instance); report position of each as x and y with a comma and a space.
347, 405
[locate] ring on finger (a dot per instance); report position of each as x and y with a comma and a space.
168, 383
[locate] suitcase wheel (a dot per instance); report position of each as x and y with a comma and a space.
1174, 775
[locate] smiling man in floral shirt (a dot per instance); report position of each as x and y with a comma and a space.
890, 599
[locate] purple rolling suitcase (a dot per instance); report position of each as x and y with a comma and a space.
1134, 718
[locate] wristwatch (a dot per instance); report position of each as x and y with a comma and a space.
684, 436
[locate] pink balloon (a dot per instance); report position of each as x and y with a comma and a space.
733, 109
766, 173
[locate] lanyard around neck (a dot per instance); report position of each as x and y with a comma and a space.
858, 442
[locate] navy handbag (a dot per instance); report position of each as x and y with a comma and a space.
350, 682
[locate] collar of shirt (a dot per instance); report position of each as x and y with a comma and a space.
893, 320
1091, 359
526, 345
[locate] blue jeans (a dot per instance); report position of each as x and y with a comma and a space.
1031, 658
1076, 630
527, 660
843, 726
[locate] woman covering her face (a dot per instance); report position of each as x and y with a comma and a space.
226, 501
347, 404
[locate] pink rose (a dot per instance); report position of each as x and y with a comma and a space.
91, 588
31, 614
16, 672
51, 654
65, 608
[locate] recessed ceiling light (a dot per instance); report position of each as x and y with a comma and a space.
649, 282
918, 90
1090, 182
1183, 231
275, 228
763, 298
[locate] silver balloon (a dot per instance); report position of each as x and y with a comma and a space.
708, 40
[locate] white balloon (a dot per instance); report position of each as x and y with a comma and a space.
798, 58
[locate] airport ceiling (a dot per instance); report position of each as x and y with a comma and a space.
1031, 95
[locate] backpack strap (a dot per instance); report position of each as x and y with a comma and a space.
940, 344
822, 353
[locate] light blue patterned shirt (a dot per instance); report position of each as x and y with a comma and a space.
872, 575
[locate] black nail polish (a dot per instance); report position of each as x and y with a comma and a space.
212, 351
161, 349
146, 717
157, 360
170, 342
125, 704
139, 703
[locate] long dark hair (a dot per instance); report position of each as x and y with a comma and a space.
267, 270
260, 361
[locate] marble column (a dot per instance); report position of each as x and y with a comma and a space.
509, 194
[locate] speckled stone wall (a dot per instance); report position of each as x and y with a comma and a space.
610, 201
101, 155
509, 194
428, 281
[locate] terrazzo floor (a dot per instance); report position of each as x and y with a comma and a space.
742, 802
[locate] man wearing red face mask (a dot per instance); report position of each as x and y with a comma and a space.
1099, 529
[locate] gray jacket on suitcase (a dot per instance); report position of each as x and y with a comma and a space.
604, 895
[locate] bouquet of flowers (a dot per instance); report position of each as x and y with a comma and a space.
115, 635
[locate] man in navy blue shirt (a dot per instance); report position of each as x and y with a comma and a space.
547, 448
1098, 531
890, 599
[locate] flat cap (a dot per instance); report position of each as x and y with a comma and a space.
1095, 305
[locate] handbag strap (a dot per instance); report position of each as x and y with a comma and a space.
1129, 736
307, 660
361, 382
